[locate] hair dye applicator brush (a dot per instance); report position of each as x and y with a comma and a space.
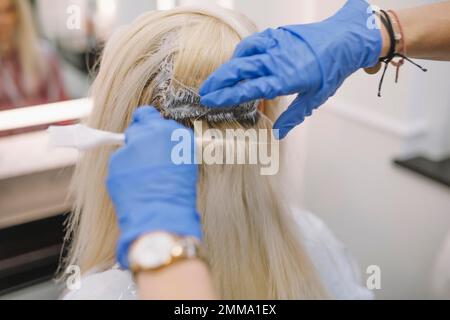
82, 137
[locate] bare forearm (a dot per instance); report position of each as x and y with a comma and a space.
187, 280
426, 31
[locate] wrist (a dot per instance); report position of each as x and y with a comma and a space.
413, 34
176, 282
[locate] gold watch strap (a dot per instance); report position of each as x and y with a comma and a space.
184, 249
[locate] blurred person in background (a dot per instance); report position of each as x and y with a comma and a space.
29, 70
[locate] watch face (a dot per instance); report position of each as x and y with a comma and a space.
154, 251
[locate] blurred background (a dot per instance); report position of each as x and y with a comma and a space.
376, 170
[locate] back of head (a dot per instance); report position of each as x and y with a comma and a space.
254, 250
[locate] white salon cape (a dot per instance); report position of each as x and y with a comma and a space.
337, 268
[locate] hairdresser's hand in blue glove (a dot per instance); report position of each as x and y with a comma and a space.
312, 60
149, 191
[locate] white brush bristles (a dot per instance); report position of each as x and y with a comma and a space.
81, 137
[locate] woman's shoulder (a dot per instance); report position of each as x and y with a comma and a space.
336, 266
332, 259
112, 284
314, 230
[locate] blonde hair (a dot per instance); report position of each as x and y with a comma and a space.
254, 248
30, 54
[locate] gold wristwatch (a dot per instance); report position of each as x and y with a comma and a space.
155, 251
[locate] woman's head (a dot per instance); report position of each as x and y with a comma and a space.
8, 23
254, 250
16, 24
195, 41
18, 32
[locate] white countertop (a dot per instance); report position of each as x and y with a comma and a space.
29, 153
43, 114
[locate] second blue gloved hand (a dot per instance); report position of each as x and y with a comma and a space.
149, 191
312, 60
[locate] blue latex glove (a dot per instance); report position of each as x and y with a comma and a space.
312, 60
151, 193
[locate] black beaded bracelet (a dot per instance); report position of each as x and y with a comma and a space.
386, 20
392, 53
